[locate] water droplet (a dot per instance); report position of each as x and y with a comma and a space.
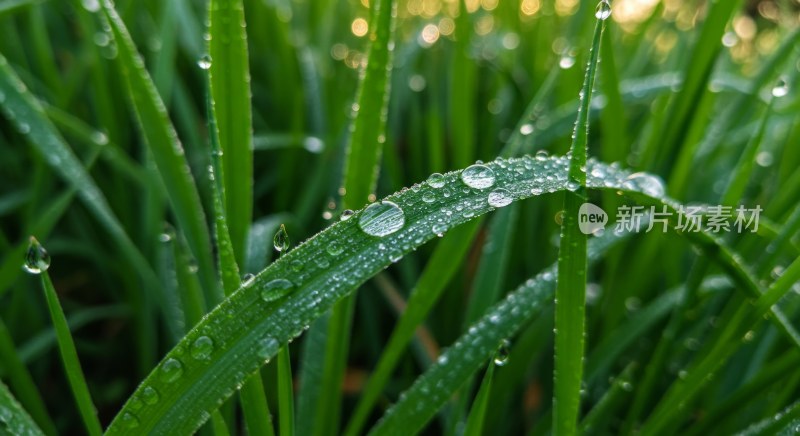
150, 396
566, 62
204, 62
276, 289
429, 197
541, 155
129, 420
334, 249
603, 10
573, 185
647, 183
382, 219
297, 265
171, 370
502, 354
478, 176
536, 190
559, 217
281, 240
439, 229
202, 348
36, 258
267, 347
435, 180
91, 5
346, 215
526, 129
248, 279
780, 89
499, 198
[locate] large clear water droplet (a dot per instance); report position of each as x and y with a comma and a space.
502, 354
603, 10
36, 258
382, 219
478, 176
499, 198
648, 183
171, 370
276, 289
281, 240
435, 180
202, 348
204, 62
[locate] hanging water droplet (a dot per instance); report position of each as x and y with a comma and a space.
780, 89
204, 62
346, 215
267, 347
202, 348
499, 198
248, 279
382, 219
435, 180
36, 258
478, 176
603, 10
502, 354
150, 396
439, 229
281, 240
573, 185
276, 289
171, 370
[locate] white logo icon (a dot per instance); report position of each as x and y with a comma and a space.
591, 219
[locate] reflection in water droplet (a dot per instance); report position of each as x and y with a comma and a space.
202, 348
281, 240
478, 176
435, 180
499, 198
276, 289
267, 347
248, 279
603, 10
780, 89
346, 215
171, 370
382, 219
502, 354
36, 258
204, 62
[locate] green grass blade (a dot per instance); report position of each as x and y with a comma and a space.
477, 413
230, 92
162, 140
285, 393
69, 355
571, 291
784, 423
13, 418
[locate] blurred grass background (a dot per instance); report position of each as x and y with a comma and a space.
681, 91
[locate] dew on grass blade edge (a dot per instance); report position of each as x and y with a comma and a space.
36, 258
382, 219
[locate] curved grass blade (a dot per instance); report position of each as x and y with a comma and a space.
230, 93
787, 422
162, 140
69, 355
571, 291
477, 413
249, 327
13, 418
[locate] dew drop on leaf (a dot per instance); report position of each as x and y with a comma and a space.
499, 198
267, 347
649, 184
248, 279
202, 348
150, 396
435, 180
281, 240
382, 219
478, 176
276, 289
780, 89
171, 370
346, 215
36, 258
502, 354
129, 420
204, 62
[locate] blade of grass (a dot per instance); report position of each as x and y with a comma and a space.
477, 413
571, 291
166, 149
66, 346
14, 419
230, 92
